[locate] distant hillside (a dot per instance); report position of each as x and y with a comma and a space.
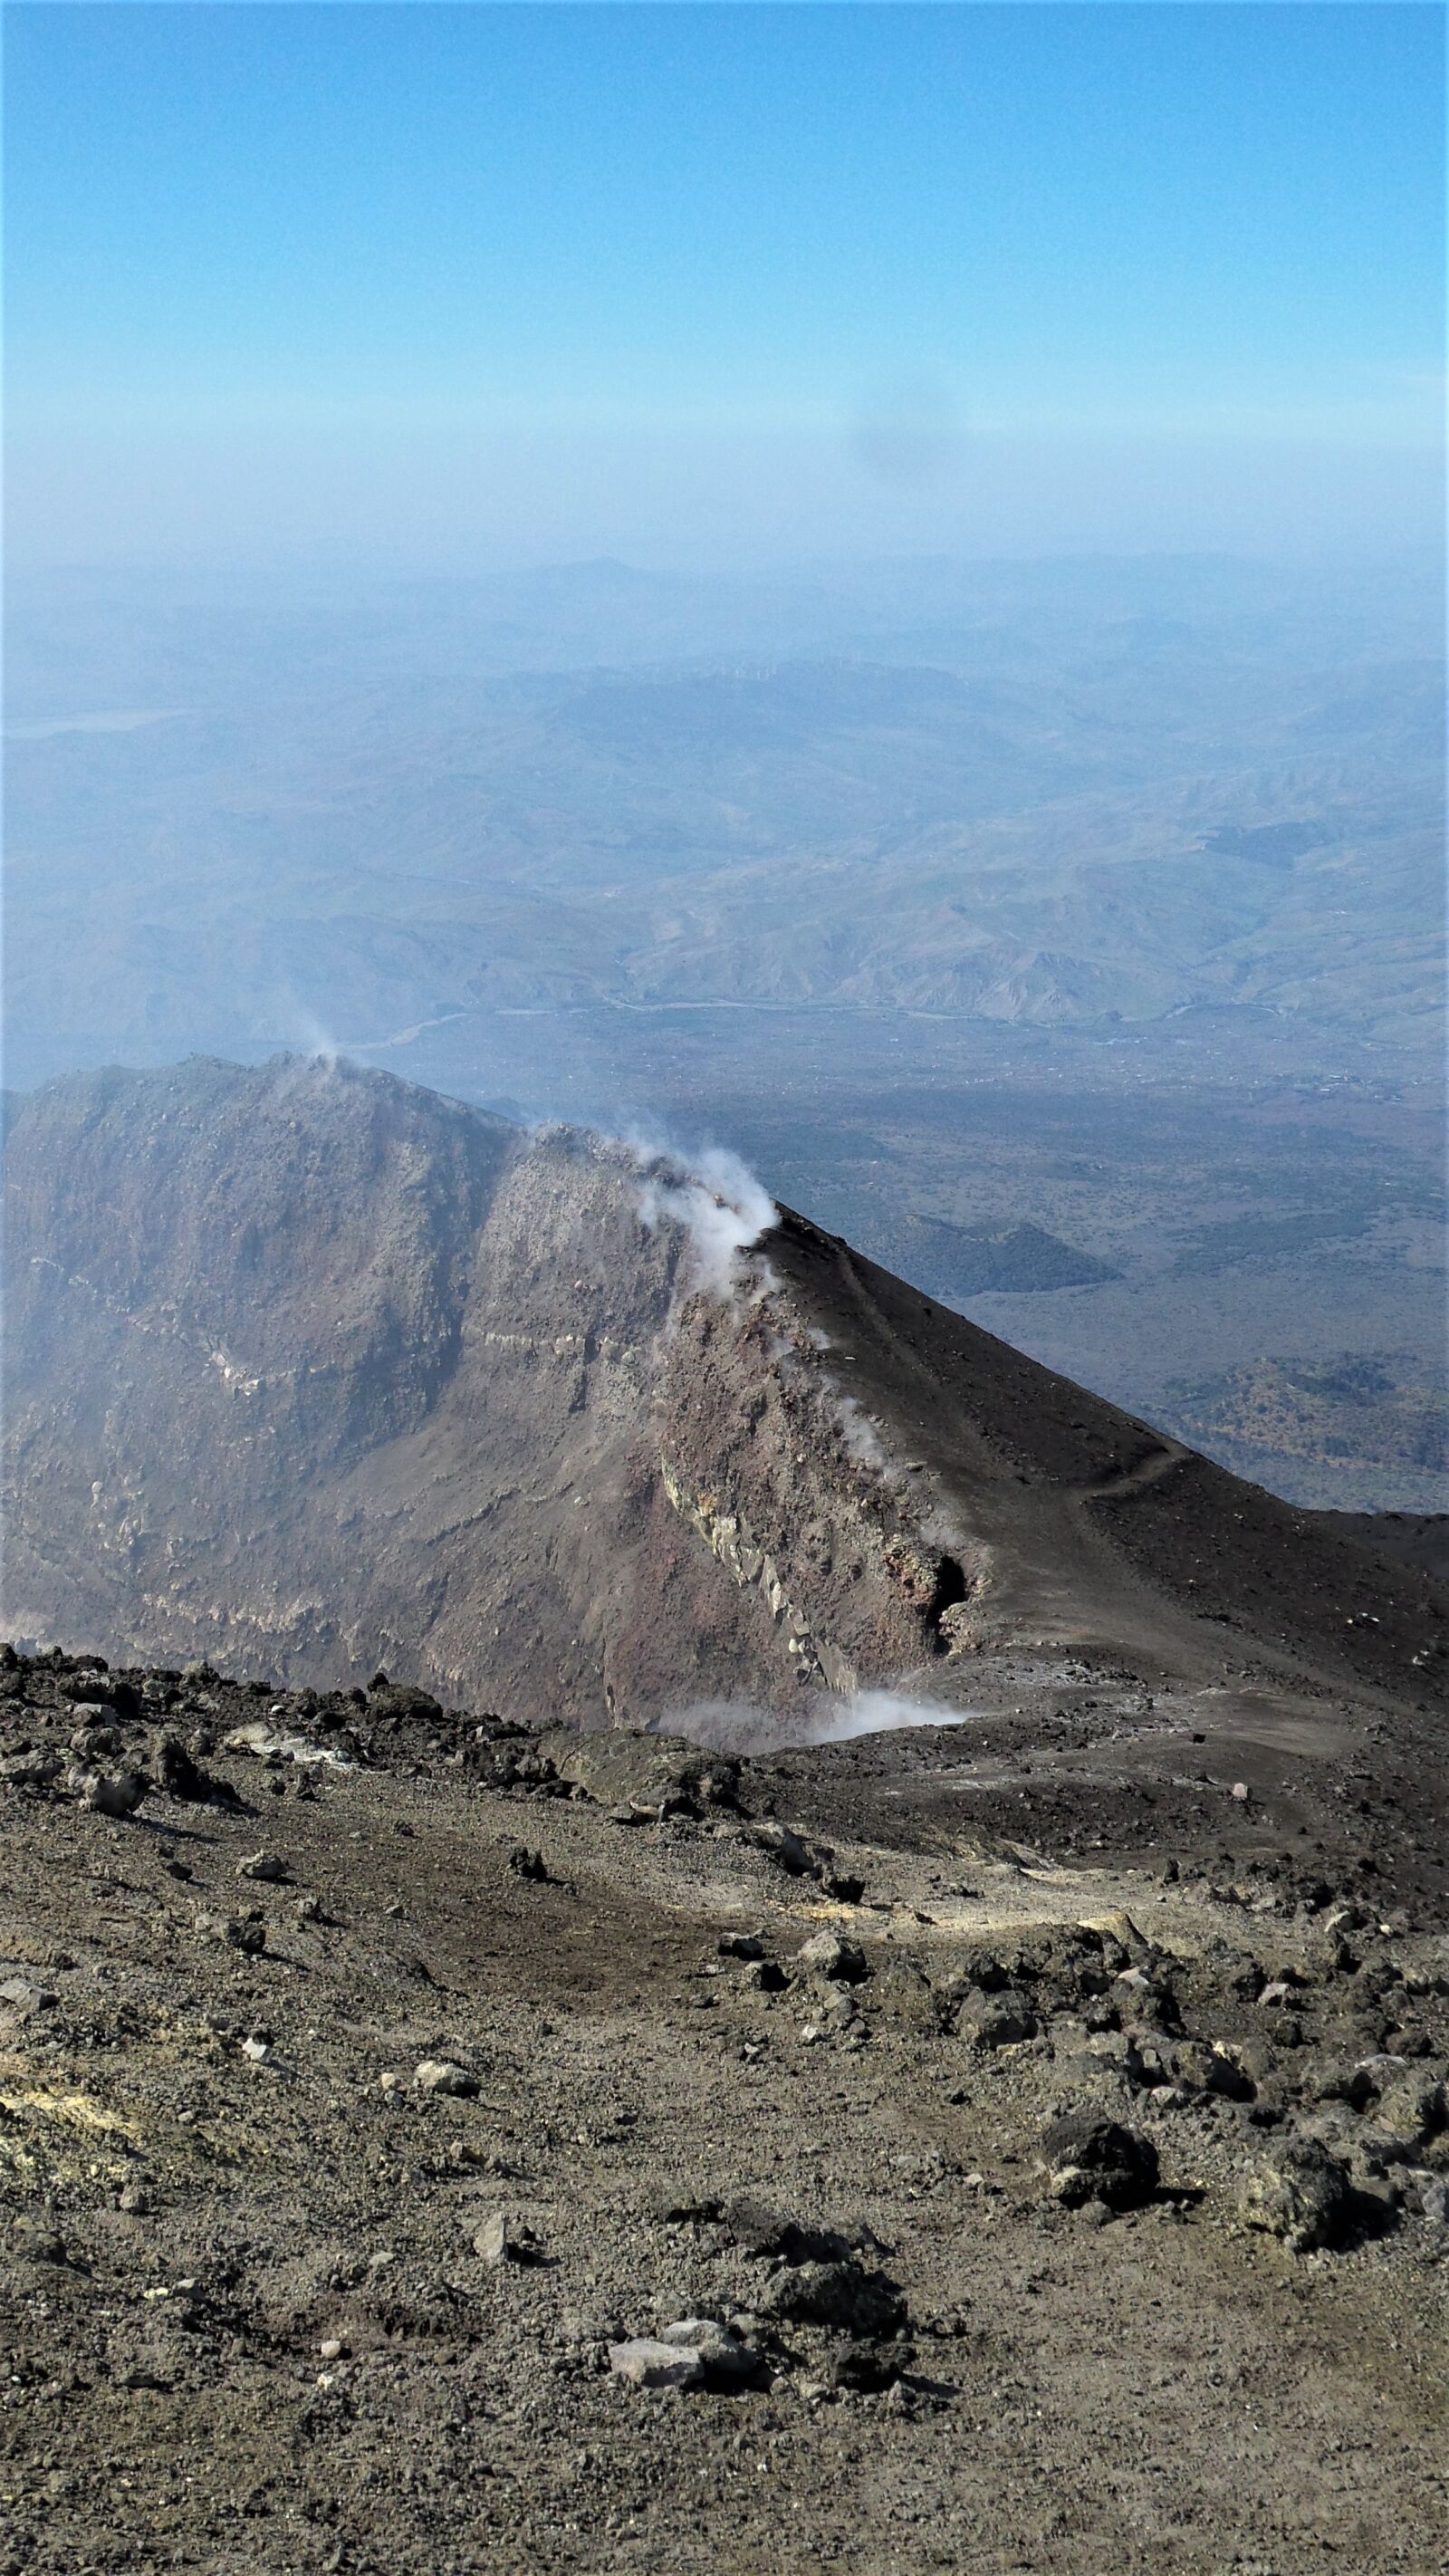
1325, 1416
979, 1260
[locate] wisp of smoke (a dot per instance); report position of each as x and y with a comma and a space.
722, 1207
735, 1726
858, 1433
308, 1036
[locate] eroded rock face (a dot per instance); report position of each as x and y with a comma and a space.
314, 1370
311, 1371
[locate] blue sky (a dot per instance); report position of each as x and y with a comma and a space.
439, 282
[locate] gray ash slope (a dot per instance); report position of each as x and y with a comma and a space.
309, 1370
1087, 2220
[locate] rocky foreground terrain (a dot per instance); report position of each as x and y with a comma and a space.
431, 2145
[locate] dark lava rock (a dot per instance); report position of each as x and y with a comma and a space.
1085, 2158
758, 2227
841, 2296
998, 2020
175, 1771
843, 1885
1205, 2069
870, 2365
393, 1703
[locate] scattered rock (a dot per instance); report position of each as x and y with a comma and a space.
1090, 2159
1118, 1928
1208, 2067
840, 2295
727, 2362
787, 1849
527, 1864
444, 2075
903, 1993
35, 2240
758, 2227
110, 1793
1409, 2112
618, 1768
502, 2239
675, 2204
996, 2021
826, 1955
394, 1703
267, 1866
765, 1977
175, 1772
25, 1999
1427, 2197
267, 1743
868, 2365
33, 1770
240, 1931
1299, 2192
645, 2363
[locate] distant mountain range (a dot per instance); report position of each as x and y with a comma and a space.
1065, 797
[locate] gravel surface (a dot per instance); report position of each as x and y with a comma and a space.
414, 2159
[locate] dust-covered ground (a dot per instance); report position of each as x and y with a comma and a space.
385, 2089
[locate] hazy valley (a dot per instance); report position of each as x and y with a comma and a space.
1103, 899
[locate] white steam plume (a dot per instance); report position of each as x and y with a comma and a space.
318, 1043
736, 1726
722, 1207
305, 1033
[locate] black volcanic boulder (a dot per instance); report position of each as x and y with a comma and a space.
762, 2229
395, 1703
176, 1771
842, 2296
1085, 2158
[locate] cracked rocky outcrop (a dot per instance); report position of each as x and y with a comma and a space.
312, 1371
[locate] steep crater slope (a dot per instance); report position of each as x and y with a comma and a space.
310, 1370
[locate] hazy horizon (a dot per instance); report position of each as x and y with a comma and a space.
420, 290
